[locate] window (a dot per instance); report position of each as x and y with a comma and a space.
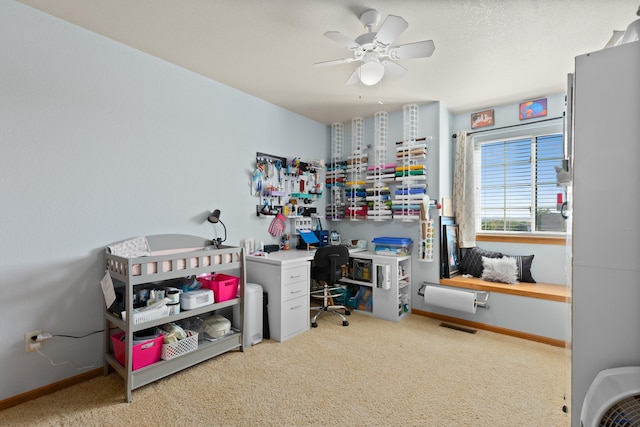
516, 183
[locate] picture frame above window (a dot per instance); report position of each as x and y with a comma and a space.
482, 119
533, 109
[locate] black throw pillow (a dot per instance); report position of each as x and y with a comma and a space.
472, 260
523, 262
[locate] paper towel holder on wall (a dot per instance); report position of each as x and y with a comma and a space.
482, 303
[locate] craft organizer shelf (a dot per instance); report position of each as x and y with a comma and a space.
173, 256
360, 190
388, 279
410, 169
278, 182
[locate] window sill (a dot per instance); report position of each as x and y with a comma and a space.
526, 239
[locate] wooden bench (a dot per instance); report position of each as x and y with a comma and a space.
540, 291
548, 291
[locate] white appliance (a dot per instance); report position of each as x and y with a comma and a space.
613, 399
252, 330
605, 207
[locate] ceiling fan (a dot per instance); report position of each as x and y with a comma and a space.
374, 49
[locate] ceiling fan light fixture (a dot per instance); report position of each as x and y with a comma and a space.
371, 72
376, 49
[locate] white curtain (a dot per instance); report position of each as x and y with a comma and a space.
464, 190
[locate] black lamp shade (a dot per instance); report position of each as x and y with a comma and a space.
215, 216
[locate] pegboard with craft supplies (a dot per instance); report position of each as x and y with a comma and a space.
286, 188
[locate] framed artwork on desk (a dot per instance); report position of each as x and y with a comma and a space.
451, 250
444, 220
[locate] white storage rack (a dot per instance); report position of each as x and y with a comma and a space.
356, 173
378, 192
336, 175
410, 159
183, 256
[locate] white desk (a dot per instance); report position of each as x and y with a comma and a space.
285, 276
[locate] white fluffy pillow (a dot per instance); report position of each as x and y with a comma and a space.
503, 270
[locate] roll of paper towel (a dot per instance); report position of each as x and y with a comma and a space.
450, 298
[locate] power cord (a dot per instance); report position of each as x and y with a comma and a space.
69, 363
41, 337
45, 336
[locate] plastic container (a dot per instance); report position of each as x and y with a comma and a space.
216, 326
180, 347
362, 269
147, 315
224, 287
194, 299
393, 246
143, 354
145, 335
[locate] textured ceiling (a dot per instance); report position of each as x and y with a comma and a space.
488, 52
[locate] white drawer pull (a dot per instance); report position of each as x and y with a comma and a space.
296, 307
295, 292
295, 277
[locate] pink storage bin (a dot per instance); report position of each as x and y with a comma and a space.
224, 287
144, 354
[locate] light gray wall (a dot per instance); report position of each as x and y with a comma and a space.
507, 114
549, 262
100, 143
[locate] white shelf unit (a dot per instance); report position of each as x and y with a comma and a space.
189, 256
390, 283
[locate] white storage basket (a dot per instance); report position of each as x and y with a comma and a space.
147, 316
180, 347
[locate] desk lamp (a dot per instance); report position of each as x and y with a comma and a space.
215, 218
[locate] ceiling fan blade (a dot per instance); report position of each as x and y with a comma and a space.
423, 49
333, 62
353, 78
338, 37
393, 70
390, 30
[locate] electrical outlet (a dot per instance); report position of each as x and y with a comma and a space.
31, 345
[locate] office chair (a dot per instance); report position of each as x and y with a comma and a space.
326, 269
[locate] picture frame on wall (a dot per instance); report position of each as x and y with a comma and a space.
482, 119
534, 108
452, 251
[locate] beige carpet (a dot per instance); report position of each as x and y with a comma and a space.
371, 373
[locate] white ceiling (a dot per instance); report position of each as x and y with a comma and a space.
488, 52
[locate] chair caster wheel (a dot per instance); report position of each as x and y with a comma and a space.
314, 325
345, 323
347, 313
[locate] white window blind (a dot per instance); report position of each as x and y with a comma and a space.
516, 183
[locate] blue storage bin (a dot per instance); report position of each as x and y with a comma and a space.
392, 246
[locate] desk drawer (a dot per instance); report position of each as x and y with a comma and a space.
295, 274
295, 316
295, 290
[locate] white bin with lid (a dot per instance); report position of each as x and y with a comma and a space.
252, 332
